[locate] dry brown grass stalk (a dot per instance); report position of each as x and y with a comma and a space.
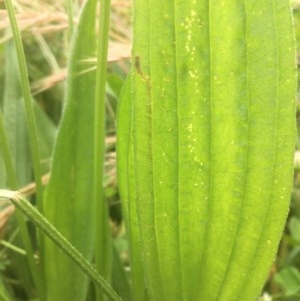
45, 18
116, 52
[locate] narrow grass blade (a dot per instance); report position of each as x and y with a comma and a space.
30, 118
103, 245
17, 159
59, 240
70, 202
119, 280
211, 141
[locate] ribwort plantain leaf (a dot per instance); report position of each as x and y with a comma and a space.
209, 147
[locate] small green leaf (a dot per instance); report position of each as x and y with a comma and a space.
289, 280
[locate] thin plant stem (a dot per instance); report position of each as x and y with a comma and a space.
61, 242
103, 240
12, 247
32, 127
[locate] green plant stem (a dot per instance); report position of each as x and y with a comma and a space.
32, 132
103, 240
61, 242
32, 128
12, 247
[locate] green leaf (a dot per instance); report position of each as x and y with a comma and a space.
127, 191
119, 278
30, 118
15, 118
18, 161
294, 227
47, 132
211, 140
103, 245
4, 294
289, 280
69, 199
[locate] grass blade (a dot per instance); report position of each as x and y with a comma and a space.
17, 157
103, 247
5, 152
32, 128
77, 169
60, 241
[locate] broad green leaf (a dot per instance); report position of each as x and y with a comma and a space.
69, 202
211, 138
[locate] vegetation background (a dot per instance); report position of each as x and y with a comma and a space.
47, 26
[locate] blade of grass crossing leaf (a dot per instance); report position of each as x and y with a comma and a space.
59, 240
103, 247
